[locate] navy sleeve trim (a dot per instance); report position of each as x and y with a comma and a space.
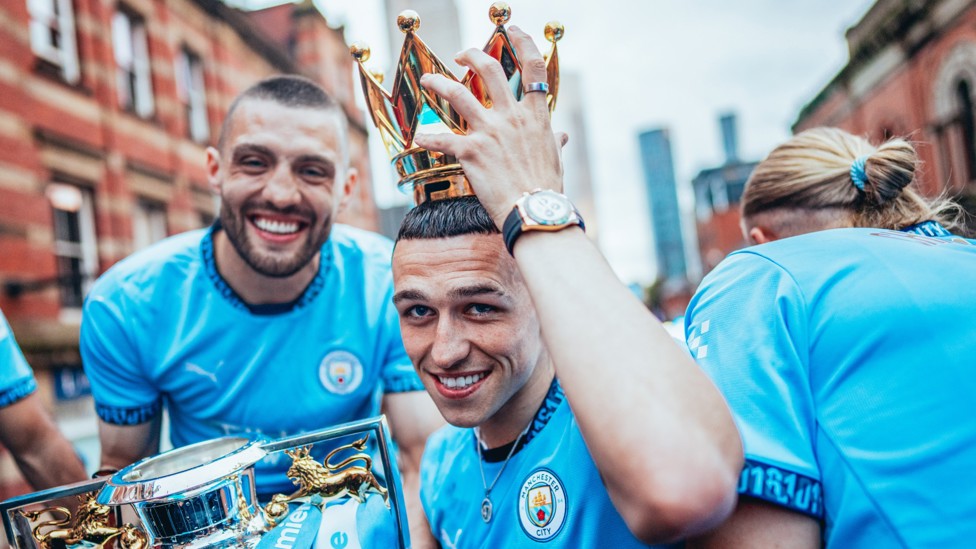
782, 487
127, 416
402, 384
18, 392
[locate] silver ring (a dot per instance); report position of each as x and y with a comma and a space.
537, 87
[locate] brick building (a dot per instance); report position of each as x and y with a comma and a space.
912, 72
718, 191
106, 108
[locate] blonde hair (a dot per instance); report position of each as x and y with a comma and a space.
812, 172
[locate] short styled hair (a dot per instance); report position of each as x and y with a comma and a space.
288, 90
446, 218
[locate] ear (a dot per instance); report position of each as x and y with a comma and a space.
213, 169
352, 176
761, 235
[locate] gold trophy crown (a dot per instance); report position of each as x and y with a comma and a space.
399, 115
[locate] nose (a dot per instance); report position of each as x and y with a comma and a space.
281, 188
450, 346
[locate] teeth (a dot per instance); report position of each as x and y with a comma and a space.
462, 381
276, 227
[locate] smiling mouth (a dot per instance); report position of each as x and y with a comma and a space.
459, 386
461, 382
277, 227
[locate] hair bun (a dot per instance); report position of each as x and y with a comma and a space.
888, 170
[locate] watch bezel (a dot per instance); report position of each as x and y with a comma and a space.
532, 201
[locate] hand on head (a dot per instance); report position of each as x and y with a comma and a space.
509, 148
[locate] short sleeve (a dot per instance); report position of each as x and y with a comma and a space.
398, 374
123, 395
16, 379
747, 328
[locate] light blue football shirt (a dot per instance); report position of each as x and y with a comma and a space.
16, 379
549, 493
162, 327
848, 358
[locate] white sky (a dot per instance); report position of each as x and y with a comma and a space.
656, 63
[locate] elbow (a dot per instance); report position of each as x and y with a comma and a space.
679, 509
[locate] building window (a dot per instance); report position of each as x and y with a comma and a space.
148, 223
133, 77
192, 94
74, 241
967, 125
52, 35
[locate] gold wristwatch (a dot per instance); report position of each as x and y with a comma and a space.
539, 210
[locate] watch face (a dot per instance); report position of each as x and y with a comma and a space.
548, 208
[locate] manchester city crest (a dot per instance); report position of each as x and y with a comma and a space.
542, 505
341, 372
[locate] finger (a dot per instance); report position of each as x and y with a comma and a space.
447, 143
455, 94
533, 65
490, 71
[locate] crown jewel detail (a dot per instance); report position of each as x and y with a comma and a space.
399, 114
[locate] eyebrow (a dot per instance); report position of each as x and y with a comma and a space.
474, 291
466, 291
247, 148
409, 295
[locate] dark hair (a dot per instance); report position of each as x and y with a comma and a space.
287, 90
446, 218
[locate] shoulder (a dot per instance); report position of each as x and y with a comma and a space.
443, 447
446, 441
176, 254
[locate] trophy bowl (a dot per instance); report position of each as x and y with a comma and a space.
201, 495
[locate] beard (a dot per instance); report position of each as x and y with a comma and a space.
271, 264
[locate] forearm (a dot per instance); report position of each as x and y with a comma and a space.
420, 536
43, 455
652, 420
49, 460
124, 445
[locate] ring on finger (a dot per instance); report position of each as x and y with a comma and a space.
537, 87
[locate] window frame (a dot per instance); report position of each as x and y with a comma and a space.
133, 62
148, 217
192, 92
52, 36
84, 251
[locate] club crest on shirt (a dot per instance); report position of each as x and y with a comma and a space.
341, 372
542, 505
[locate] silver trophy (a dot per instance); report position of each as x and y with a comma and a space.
203, 496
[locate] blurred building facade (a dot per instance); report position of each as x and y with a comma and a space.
718, 192
106, 110
912, 72
671, 291
662, 196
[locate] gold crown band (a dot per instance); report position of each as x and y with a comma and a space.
399, 114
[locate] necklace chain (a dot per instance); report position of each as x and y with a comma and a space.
486, 503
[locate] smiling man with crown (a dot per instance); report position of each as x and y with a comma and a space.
575, 419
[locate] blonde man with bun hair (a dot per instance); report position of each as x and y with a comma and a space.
844, 343
808, 184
